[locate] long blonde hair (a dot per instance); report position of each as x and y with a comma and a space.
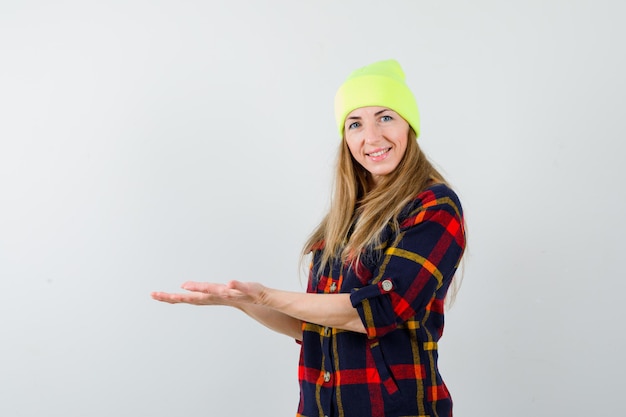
360, 212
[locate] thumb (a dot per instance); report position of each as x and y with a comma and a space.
236, 285
189, 286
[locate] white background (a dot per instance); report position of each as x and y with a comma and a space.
145, 143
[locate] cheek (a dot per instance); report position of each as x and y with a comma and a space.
400, 152
403, 141
404, 146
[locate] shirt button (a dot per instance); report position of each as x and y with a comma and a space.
326, 376
387, 285
333, 287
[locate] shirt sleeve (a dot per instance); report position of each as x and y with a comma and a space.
415, 268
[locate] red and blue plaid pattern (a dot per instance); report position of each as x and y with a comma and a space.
398, 290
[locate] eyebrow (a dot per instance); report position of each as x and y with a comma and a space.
375, 114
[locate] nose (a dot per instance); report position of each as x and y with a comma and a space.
371, 133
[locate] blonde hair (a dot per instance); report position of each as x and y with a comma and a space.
359, 212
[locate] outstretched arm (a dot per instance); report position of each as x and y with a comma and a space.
281, 311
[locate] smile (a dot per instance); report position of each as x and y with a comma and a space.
379, 153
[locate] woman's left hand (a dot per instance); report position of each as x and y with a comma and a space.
206, 293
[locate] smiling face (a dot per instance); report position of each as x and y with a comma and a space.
377, 139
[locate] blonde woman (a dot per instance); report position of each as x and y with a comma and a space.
382, 261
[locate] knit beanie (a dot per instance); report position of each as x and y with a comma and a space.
378, 84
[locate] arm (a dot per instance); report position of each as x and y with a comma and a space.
274, 320
281, 311
417, 267
332, 310
215, 294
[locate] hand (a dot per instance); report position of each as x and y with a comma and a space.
206, 293
246, 292
200, 293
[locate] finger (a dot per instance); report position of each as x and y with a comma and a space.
165, 297
236, 290
192, 286
189, 298
234, 294
205, 287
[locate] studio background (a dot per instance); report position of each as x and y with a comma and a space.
146, 143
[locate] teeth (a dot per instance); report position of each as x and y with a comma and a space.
379, 153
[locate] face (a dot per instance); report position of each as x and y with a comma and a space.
377, 139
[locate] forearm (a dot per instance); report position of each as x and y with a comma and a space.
332, 310
273, 319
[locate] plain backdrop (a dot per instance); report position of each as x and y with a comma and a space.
146, 143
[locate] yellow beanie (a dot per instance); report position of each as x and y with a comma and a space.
378, 84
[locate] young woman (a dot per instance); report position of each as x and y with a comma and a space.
382, 261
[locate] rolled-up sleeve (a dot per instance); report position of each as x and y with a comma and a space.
415, 268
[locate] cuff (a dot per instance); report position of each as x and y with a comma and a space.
374, 306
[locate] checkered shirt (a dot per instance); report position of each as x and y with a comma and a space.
398, 290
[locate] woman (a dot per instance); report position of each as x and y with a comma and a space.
382, 261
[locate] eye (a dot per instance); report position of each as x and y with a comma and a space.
386, 118
354, 125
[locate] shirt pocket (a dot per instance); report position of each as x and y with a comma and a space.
384, 373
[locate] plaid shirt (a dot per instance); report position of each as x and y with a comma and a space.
398, 291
